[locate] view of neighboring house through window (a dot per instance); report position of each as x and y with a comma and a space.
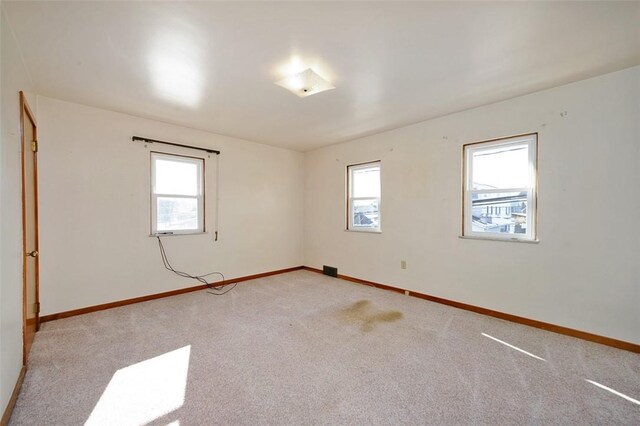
363, 185
177, 194
500, 188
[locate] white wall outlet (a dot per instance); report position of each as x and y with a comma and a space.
403, 264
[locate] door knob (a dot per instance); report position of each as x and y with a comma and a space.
33, 253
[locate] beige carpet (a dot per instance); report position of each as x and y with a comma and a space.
302, 348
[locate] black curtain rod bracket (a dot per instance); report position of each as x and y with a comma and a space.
141, 139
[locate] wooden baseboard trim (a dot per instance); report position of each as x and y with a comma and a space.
620, 344
74, 312
14, 397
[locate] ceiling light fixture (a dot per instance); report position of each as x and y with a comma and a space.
305, 83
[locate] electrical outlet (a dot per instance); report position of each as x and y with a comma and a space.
403, 264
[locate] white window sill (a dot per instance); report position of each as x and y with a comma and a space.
364, 231
160, 234
505, 240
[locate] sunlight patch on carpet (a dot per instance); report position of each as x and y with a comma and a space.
514, 347
613, 391
143, 392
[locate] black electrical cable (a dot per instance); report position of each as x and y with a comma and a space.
200, 278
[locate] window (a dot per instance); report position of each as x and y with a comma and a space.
500, 189
177, 194
363, 186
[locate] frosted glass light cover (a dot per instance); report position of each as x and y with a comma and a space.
305, 83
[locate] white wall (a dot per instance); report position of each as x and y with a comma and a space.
95, 208
14, 78
584, 273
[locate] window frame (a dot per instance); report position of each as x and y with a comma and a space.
531, 140
200, 196
349, 223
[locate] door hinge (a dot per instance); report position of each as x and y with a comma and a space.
37, 307
34, 146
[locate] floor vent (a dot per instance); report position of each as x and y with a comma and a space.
330, 270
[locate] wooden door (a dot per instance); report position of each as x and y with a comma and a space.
30, 266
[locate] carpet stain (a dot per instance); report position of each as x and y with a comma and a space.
362, 313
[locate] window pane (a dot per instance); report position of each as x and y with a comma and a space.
177, 214
365, 213
501, 167
176, 177
366, 182
499, 212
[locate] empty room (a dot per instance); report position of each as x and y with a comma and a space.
292, 213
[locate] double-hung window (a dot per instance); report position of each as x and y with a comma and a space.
363, 186
177, 194
500, 189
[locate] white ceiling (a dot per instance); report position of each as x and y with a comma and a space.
212, 66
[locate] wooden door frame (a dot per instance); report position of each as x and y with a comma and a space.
26, 113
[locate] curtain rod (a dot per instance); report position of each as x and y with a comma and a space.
138, 138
